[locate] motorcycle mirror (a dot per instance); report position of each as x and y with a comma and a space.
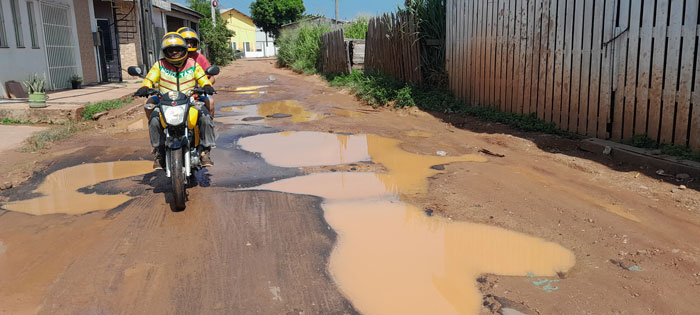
212, 70
135, 71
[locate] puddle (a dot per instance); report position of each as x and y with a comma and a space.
418, 133
292, 107
408, 172
393, 259
347, 113
60, 189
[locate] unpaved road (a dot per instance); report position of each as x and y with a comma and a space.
338, 208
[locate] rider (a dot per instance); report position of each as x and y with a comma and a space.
176, 72
192, 40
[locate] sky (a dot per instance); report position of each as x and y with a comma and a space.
347, 9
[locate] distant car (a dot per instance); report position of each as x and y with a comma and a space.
239, 54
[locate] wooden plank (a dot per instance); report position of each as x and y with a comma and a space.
536, 51
644, 67
464, 39
544, 59
491, 52
657, 69
530, 33
576, 56
595, 74
686, 75
486, 76
694, 140
672, 58
502, 53
585, 67
448, 44
510, 34
559, 62
481, 53
551, 55
620, 70
519, 57
566, 77
606, 70
632, 68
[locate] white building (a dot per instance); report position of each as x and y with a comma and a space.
41, 37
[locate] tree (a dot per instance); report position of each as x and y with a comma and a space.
270, 15
214, 40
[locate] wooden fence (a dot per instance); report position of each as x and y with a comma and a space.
334, 53
607, 69
392, 47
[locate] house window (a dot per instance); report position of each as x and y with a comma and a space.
259, 46
32, 24
247, 46
17, 21
3, 38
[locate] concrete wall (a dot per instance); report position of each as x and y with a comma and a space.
21, 62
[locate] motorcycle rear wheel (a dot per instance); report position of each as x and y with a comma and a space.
177, 176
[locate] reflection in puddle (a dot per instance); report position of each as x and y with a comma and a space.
60, 189
393, 259
249, 88
299, 114
408, 172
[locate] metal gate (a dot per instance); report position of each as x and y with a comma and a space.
60, 46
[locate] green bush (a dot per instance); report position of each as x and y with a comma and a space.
357, 29
299, 48
645, 142
42, 139
95, 108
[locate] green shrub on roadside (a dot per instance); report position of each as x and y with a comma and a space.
99, 107
645, 142
299, 48
357, 29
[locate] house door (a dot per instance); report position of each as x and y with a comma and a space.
110, 62
60, 46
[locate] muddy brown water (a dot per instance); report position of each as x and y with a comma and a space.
60, 194
391, 258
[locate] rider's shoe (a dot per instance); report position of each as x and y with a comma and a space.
205, 159
158, 161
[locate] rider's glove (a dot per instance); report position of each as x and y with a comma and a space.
209, 90
142, 91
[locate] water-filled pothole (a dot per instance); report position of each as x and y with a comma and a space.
391, 258
60, 194
290, 107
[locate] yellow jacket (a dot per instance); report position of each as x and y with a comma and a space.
168, 78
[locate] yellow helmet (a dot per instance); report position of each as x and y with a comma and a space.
171, 41
189, 34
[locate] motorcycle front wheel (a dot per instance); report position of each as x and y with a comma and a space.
177, 175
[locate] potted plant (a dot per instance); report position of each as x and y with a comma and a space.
75, 81
37, 92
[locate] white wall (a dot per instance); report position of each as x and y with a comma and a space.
19, 63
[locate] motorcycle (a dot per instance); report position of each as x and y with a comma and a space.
179, 114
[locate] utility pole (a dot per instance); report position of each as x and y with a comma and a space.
213, 5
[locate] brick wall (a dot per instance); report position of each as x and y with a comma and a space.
85, 41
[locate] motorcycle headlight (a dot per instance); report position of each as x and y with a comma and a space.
174, 115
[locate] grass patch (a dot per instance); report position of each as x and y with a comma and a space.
41, 140
379, 90
644, 142
299, 48
8, 121
92, 109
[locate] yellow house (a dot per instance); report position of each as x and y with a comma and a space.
237, 21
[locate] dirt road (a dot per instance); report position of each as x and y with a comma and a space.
318, 204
